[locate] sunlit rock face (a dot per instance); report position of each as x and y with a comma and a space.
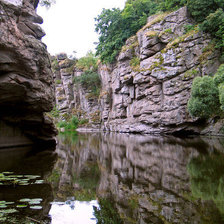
147, 89
26, 83
149, 181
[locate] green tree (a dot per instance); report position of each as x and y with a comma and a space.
109, 27
214, 24
200, 9
204, 100
116, 26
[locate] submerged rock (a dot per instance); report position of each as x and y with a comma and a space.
26, 80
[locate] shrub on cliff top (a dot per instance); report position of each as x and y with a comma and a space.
88, 62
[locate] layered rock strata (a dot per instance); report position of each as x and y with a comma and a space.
148, 88
26, 80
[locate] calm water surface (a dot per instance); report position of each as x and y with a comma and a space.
113, 179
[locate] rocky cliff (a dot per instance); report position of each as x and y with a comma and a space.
148, 88
73, 98
26, 81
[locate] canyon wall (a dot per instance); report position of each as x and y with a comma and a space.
73, 98
147, 89
26, 80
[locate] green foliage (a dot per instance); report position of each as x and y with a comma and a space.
115, 26
221, 96
188, 28
111, 39
88, 63
219, 75
168, 5
135, 62
214, 24
107, 213
200, 9
55, 113
89, 80
69, 125
204, 101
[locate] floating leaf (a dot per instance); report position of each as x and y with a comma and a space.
23, 183
39, 182
8, 211
9, 203
3, 206
36, 207
21, 206
25, 200
32, 176
34, 202
37, 199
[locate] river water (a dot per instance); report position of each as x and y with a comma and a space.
113, 179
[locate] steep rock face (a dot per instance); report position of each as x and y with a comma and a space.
26, 81
73, 98
148, 88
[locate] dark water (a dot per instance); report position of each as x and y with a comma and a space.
114, 178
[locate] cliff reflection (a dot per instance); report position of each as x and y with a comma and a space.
142, 179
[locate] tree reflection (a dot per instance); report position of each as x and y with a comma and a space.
207, 178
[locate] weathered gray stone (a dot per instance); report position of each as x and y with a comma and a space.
157, 91
26, 81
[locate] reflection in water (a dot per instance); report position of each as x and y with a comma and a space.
140, 179
24, 163
77, 212
207, 178
121, 178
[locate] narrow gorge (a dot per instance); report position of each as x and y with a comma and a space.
131, 134
147, 89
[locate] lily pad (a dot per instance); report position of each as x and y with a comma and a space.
25, 200
36, 207
9, 202
8, 211
39, 182
32, 176
21, 206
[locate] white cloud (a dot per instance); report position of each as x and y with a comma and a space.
69, 24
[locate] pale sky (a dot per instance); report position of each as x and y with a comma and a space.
69, 24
